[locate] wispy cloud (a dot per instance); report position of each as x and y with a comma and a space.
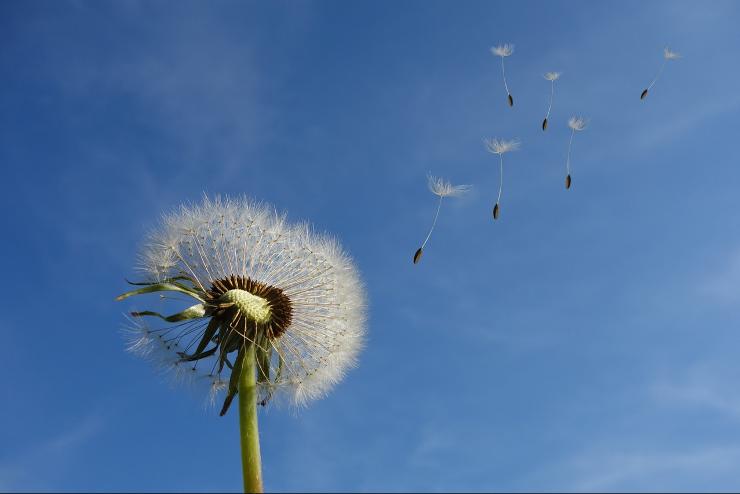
703, 387
37, 467
614, 469
722, 283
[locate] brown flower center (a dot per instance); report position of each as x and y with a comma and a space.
270, 305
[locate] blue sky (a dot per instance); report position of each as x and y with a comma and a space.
587, 340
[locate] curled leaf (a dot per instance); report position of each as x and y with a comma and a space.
192, 312
162, 287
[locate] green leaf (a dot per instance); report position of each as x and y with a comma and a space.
233, 381
263, 363
162, 287
165, 280
207, 335
194, 312
279, 371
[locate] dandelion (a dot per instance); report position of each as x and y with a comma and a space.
278, 313
552, 77
575, 124
504, 51
668, 54
441, 188
500, 147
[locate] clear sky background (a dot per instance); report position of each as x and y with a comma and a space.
587, 340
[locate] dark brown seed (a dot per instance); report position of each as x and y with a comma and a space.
417, 256
567, 182
511, 101
644, 93
544, 124
495, 212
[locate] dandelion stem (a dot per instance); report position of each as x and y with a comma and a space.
503, 73
434, 223
501, 180
570, 144
552, 95
660, 71
250, 440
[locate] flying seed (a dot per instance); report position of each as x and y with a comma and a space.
500, 147
504, 51
442, 189
552, 77
668, 54
575, 124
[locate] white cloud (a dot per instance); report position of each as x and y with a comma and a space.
723, 283
704, 387
40, 464
615, 469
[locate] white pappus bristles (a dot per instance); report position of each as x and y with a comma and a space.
308, 284
552, 77
500, 147
504, 51
668, 54
441, 188
576, 124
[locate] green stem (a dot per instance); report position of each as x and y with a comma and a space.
250, 439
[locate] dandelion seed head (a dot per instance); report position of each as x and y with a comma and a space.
552, 76
443, 188
293, 293
577, 123
669, 54
501, 146
503, 50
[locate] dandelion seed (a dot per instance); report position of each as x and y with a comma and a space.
575, 124
668, 54
504, 51
441, 188
500, 147
279, 312
552, 77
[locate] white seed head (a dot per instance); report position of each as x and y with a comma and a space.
501, 146
577, 123
552, 76
503, 50
222, 238
668, 54
443, 188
